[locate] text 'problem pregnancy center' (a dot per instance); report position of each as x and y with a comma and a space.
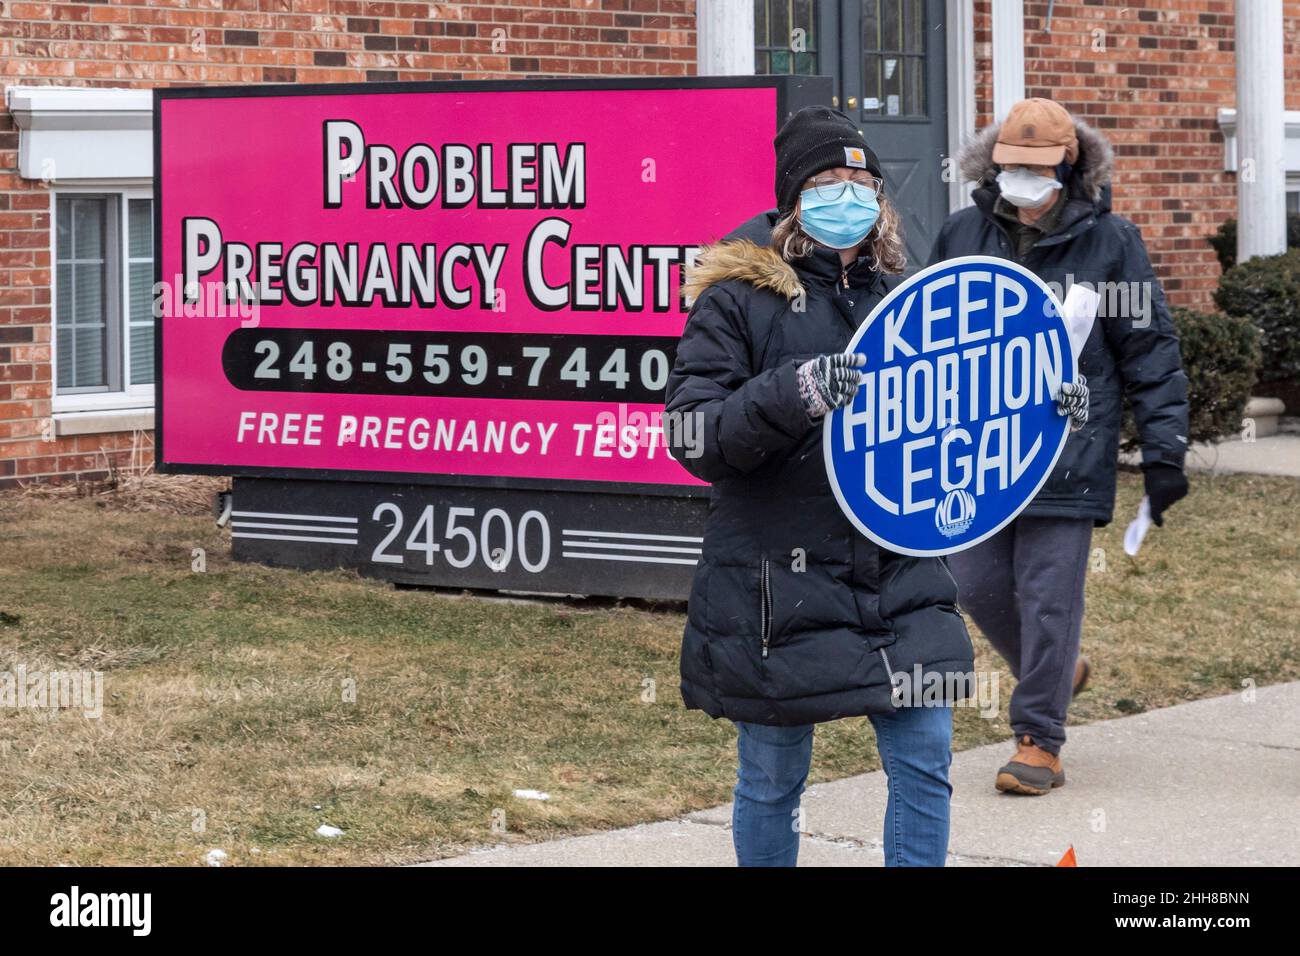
312, 271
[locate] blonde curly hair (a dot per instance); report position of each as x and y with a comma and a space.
885, 241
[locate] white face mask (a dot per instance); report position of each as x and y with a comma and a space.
1024, 189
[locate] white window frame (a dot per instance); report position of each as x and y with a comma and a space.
1227, 119
131, 396
87, 140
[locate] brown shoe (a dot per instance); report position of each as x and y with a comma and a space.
1031, 771
1082, 671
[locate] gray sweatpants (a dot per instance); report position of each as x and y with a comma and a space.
1024, 588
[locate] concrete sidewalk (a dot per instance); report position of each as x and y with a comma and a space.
1211, 783
1275, 455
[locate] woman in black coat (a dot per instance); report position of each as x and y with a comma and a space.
794, 617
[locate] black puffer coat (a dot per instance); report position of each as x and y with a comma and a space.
794, 617
1127, 356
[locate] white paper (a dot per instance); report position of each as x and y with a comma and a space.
532, 795
1138, 528
1079, 311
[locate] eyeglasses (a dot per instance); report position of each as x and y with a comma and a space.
830, 188
1036, 170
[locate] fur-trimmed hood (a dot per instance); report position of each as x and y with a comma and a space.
1092, 169
760, 266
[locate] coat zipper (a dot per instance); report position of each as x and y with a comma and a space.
888, 667
956, 587
893, 685
844, 277
948, 571
765, 607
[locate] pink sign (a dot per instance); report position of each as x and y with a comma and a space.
439, 282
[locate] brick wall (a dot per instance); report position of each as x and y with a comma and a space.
149, 43
1152, 77
1152, 80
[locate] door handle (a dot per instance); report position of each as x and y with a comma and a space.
853, 102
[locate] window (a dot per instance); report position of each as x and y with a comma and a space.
1293, 194
893, 50
103, 293
785, 37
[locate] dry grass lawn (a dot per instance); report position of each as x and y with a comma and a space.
227, 722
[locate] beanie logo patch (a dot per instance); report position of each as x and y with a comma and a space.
855, 157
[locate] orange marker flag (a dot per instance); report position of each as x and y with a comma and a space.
1068, 859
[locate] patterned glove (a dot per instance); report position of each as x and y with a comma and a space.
829, 381
1072, 400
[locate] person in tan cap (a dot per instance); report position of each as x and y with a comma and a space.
1042, 199
1037, 137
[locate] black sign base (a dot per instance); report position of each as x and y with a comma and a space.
543, 542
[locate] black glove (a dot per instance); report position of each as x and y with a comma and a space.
1165, 484
829, 381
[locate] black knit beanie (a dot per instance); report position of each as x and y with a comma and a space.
812, 140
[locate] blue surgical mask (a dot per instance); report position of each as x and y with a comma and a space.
839, 223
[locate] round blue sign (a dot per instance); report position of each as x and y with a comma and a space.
955, 427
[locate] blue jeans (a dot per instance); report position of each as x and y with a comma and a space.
915, 749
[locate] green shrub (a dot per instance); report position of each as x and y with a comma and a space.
1220, 358
1224, 240
1267, 291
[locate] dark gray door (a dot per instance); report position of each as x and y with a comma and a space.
893, 79
887, 58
